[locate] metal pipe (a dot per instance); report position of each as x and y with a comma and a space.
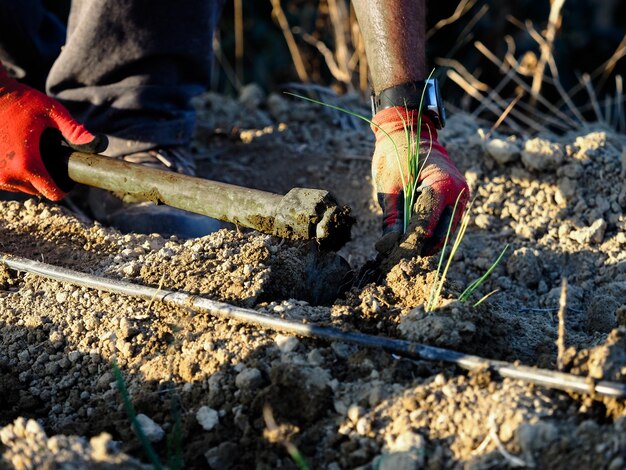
302, 214
543, 377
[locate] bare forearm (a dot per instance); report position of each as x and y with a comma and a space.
395, 39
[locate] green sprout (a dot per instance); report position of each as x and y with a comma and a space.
132, 415
440, 277
409, 181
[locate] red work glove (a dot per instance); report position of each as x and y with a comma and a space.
28, 121
439, 183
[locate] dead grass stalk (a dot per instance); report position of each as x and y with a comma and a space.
554, 22
560, 342
296, 57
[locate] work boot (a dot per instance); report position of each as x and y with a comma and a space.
131, 215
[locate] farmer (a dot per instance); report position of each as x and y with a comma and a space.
128, 69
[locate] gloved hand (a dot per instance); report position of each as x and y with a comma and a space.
439, 183
27, 115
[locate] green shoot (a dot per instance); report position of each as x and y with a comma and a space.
413, 141
413, 148
474, 285
130, 411
435, 291
297, 456
485, 297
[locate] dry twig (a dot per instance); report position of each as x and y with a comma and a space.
586, 80
338, 17
239, 39
518, 81
340, 73
560, 342
477, 95
492, 435
281, 19
543, 45
463, 7
466, 35
554, 21
505, 113
619, 112
226, 67
512, 460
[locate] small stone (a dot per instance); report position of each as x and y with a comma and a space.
483, 221
278, 107
51, 368
61, 297
588, 235
251, 96
23, 356
74, 356
567, 189
207, 417
131, 269
363, 426
340, 407
502, 151
125, 328
408, 441
34, 429
540, 155
104, 381
355, 412
101, 446
249, 379
315, 357
286, 344
399, 461
152, 430
572, 170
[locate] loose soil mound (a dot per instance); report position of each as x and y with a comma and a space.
201, 384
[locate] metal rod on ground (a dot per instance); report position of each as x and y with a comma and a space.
543, 377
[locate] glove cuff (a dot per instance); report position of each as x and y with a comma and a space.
399, 118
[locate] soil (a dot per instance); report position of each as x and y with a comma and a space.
210, 388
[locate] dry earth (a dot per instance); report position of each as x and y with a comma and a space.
558, 201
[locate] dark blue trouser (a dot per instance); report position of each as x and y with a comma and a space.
126, 68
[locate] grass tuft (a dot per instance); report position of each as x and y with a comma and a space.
469, 290
132, 415
440, 277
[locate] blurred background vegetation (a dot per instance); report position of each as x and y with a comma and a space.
566, 51
533, 64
